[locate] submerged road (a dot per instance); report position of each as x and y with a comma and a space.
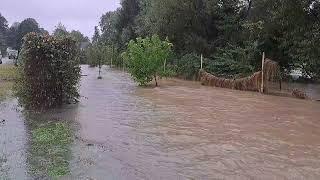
182, 130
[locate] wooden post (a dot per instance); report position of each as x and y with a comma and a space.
201, 62
164, 65
262, 72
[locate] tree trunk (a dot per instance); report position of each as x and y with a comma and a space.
155, 78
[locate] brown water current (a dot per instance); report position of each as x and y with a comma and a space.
182, 130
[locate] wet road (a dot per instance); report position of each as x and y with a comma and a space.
183, 130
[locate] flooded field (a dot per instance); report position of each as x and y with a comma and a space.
180, 130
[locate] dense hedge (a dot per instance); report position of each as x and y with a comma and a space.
49, 72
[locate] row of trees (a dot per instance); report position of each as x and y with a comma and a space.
232, 34
13, 36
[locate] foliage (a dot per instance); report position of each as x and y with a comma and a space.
188, 66
26, 26
146, 58
60, 31
12, 37
78, 37
232, 61
285, 29
57, 74
96, 35
3, 32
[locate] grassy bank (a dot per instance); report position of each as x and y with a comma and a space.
50, 151
8, 74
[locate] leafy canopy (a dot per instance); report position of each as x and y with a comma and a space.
146, 58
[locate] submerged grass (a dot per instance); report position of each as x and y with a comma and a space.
50, 149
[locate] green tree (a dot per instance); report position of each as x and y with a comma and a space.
12, 37
78, 36
146, 58
3, 33
109, 33
26, 26
96, 35
60, 31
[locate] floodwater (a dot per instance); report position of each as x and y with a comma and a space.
180, 130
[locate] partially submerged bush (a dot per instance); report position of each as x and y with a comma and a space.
146, 58
49, 72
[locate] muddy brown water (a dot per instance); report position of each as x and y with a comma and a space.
180, 130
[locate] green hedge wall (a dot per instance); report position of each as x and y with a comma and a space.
49, 72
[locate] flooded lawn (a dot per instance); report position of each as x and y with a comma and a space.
181, 130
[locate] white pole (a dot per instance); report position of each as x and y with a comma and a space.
262, 72
201, 62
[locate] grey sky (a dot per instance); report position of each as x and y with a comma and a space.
80, 15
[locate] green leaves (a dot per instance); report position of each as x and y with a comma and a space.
49, 72
146, 58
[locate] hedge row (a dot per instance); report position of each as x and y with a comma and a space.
49, 72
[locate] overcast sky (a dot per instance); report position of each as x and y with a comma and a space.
80, 15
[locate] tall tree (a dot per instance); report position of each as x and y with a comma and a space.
26, 26
60, 30
125, 24
78, 36
12, 36
96, 35
3, 32
109, 33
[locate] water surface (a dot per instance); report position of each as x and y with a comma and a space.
180, 130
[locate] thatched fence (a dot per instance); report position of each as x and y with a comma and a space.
256, 82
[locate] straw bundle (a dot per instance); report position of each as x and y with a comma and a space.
299, 94
271, 70
251, 83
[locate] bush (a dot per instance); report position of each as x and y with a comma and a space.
49, 72
146, 58
232, 62
188, 66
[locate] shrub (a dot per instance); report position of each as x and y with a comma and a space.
49, 71
188, 66
146, 58
232, 62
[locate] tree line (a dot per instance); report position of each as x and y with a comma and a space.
13, 36
231, 34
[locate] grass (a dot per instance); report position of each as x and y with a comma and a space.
8, 73
5, 87
50, 149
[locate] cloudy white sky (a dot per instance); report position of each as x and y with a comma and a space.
80, 15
